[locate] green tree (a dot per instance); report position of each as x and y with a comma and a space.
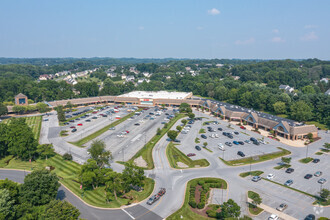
3, 140
230, 209
19, 109
69, 105
172, 134
286, 160
324, 194
256, 199
185, 107
99, 153
114, 185
308, 90
45, 151
179, 128
205, 144
60, 113
60, 210
42, 107
279, 107
3, 109
191, 115
184, 121
12, 187
132, 175
300, 111
21, 142
158, 131
39, 187
6, 204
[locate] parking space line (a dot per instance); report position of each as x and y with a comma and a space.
132, 217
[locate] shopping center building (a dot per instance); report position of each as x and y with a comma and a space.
283, 127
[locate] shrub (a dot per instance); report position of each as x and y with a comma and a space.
211, 213
67, 156
201, 182
192, 204
201, 205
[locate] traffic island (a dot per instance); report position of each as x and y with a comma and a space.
177, 159
257, 158
195, 204
254, 198
252, 173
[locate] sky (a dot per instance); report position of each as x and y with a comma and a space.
243, 29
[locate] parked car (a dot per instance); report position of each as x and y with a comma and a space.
230, 136
204, 136
74, 130
253, 139
220, 129
310, 217
270, 176
242, 127
318, 173
237, 133
247, 141
322, 181
256, 142
221, 147
288, 183
198, 148
88, 120
71, 121
289, 170
273, 217
191, 155
308, 176
241, 142
177, 141
240, 153
282, 207
316, 160
80, 124
46, 119
137, 124
235, 142
229, 144
73, 127
256, 178
94, 117
112, 128
66, 123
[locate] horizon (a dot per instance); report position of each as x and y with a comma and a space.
185, 30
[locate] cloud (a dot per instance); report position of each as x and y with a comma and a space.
310, 26
311, 36
277, 40
199, 28
245, 42
213, 11
141, 28
275, 31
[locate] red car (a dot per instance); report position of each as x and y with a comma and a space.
95, 112
242, 127
73, 127
80, 124
118, 117
191, 154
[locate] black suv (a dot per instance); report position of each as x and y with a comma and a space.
220, 129
253, 139
289, 170
316, 160
240, 153
204, 136
198, 147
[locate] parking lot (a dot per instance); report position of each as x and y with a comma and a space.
188, 144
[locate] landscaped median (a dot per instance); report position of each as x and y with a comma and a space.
197, 193
68, 172
90, 137
253, 209
260, 158
252, 173
175, 156
146, 151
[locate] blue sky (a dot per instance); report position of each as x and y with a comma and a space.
245, 29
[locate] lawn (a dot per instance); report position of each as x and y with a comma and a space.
253, 209
306, 160
102, 130
252, 173
64, 133
197, 140
68, 172
185, 210
146, 151
318, 153
317, 124
202, 131
174, 155
262, 158
34, 123
282, 166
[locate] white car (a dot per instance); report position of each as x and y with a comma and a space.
216, 136
270, 176
273, 217
221, 147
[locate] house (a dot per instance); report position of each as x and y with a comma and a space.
326, 80
133, 70
113, 68
146, 74
327, 92
219, 65
179, 73
123, 77
43, 77
236, 77
130, 78
188, 68
112, 74
143, 80
286, 88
